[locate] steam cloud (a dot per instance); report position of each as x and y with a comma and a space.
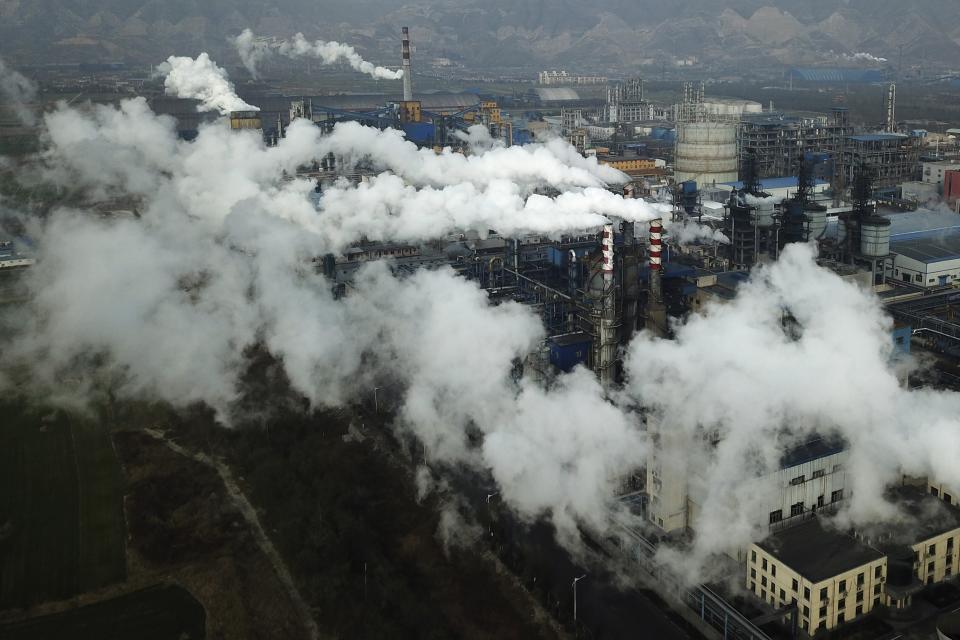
253, 51
18, 92
201, 79
219, 260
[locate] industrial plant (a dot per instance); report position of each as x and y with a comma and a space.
653, 257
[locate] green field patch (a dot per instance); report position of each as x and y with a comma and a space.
61, 517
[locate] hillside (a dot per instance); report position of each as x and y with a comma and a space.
612, 33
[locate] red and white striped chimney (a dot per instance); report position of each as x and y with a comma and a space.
407, 67
606, 247
656, 244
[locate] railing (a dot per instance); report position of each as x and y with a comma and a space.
712, 609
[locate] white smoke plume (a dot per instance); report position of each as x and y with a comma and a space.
164, 306
690, 232
553, 163
18, 92
731, 405
253, 50
859, 57
201, 79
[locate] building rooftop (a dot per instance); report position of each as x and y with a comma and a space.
877, 137
810, 450
786, 182
928, 515
929, 247
818, 553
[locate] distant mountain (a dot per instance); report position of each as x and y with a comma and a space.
498, 33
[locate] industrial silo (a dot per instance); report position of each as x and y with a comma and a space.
875, 237
818, 222
706, 152
763, 210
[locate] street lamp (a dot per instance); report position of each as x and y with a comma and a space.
376, 402
489, 513
575, 581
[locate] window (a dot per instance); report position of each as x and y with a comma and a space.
876, 589
753, 557
753, 587
947, 498
841, 586
818, 473
876, 602
763, 594
934, 491
859, 596
836, 496
823, 593
878, 571
764, 564
932, 550
823, 612
795, 586
798, 480
806, 612
840, 618
837, 467
948, 571
859, 610
776, 516
930, 567
783, 595
796, 509
773, 570
753, 573
806, 594
860, 577
918, 278
842, 604
763, 580
950, 544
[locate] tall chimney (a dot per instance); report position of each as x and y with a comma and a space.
407, 69
656, 263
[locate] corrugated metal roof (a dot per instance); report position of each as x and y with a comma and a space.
837, 74
877, 137
786, 182
933, 248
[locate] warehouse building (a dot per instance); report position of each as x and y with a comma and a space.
927, 259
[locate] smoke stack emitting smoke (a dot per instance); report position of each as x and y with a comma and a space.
253, 50
217, 213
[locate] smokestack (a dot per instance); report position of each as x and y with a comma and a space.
407, 69
656, 262
606, 246
607, 336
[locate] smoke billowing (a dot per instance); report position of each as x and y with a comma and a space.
253, 50
201, 79
219, 260
18, 92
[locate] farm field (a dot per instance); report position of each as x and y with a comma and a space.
62, 530
160, 612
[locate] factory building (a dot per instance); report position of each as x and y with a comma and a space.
831, 577
891, 158
834, 577
927, 259
777, 141
810, 479
553, 78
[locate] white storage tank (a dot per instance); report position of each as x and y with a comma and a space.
763, 210
875, 237
706, 152
818, 223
